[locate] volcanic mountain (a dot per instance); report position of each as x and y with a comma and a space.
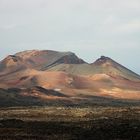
50, 76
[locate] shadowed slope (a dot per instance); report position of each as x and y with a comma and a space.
29, 96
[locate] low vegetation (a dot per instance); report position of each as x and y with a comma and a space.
70, 123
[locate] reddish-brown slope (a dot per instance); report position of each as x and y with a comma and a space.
41, 60
38, 60
69, 74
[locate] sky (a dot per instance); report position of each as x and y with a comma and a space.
89, 28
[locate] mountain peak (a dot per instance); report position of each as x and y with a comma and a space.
27, 53
103, 60
35, 53
104, 57
42, 59
11, 63
11, 59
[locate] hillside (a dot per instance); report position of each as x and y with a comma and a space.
66, 73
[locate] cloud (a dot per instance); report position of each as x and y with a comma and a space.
132, 26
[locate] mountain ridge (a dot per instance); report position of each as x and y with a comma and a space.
70, 75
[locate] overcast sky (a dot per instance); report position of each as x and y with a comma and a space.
90, 28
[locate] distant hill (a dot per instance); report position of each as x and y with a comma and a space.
67, 74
